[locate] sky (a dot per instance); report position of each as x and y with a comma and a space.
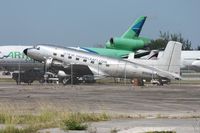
92, 22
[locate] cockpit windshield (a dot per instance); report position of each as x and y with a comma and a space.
36, 47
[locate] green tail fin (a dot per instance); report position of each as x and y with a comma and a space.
135, 29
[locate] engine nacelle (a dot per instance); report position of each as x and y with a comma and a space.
62, 74
126, 44
196, 63
57, 63
51, 62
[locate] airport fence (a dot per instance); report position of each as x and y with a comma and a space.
123, 73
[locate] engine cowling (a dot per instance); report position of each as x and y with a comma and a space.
51, 62
196, 63
126, 44
62, 73
57, 63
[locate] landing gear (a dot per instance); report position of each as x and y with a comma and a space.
160, 82
69, 80
65, 81
77, 80
138, 82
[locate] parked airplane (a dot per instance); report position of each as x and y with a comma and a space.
130, 40
195, 59
190, 60
25, 69
120, 47
79, 64
12, 58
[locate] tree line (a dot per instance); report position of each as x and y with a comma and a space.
164, 37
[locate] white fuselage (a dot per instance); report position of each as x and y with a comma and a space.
12, 58
99, 65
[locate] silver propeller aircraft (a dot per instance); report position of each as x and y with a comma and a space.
80, 64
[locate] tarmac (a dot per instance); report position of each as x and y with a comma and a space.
174, 107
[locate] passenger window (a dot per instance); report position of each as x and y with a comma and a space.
84, 60
69, 57
100, 63
54, 54
92, 62
107, 65
77, 58
62, 55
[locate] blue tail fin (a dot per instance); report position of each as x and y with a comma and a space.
135, 29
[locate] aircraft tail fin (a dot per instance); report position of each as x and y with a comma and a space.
135, 29
170, 60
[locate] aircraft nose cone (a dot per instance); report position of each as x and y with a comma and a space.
25, 51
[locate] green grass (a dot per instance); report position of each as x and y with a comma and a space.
73, 124
43, 117
6, 80
47, 119
13, 129
114, 131
90, 117
78, 121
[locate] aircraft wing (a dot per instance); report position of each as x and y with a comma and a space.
141, 53
80, 70
76, 69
